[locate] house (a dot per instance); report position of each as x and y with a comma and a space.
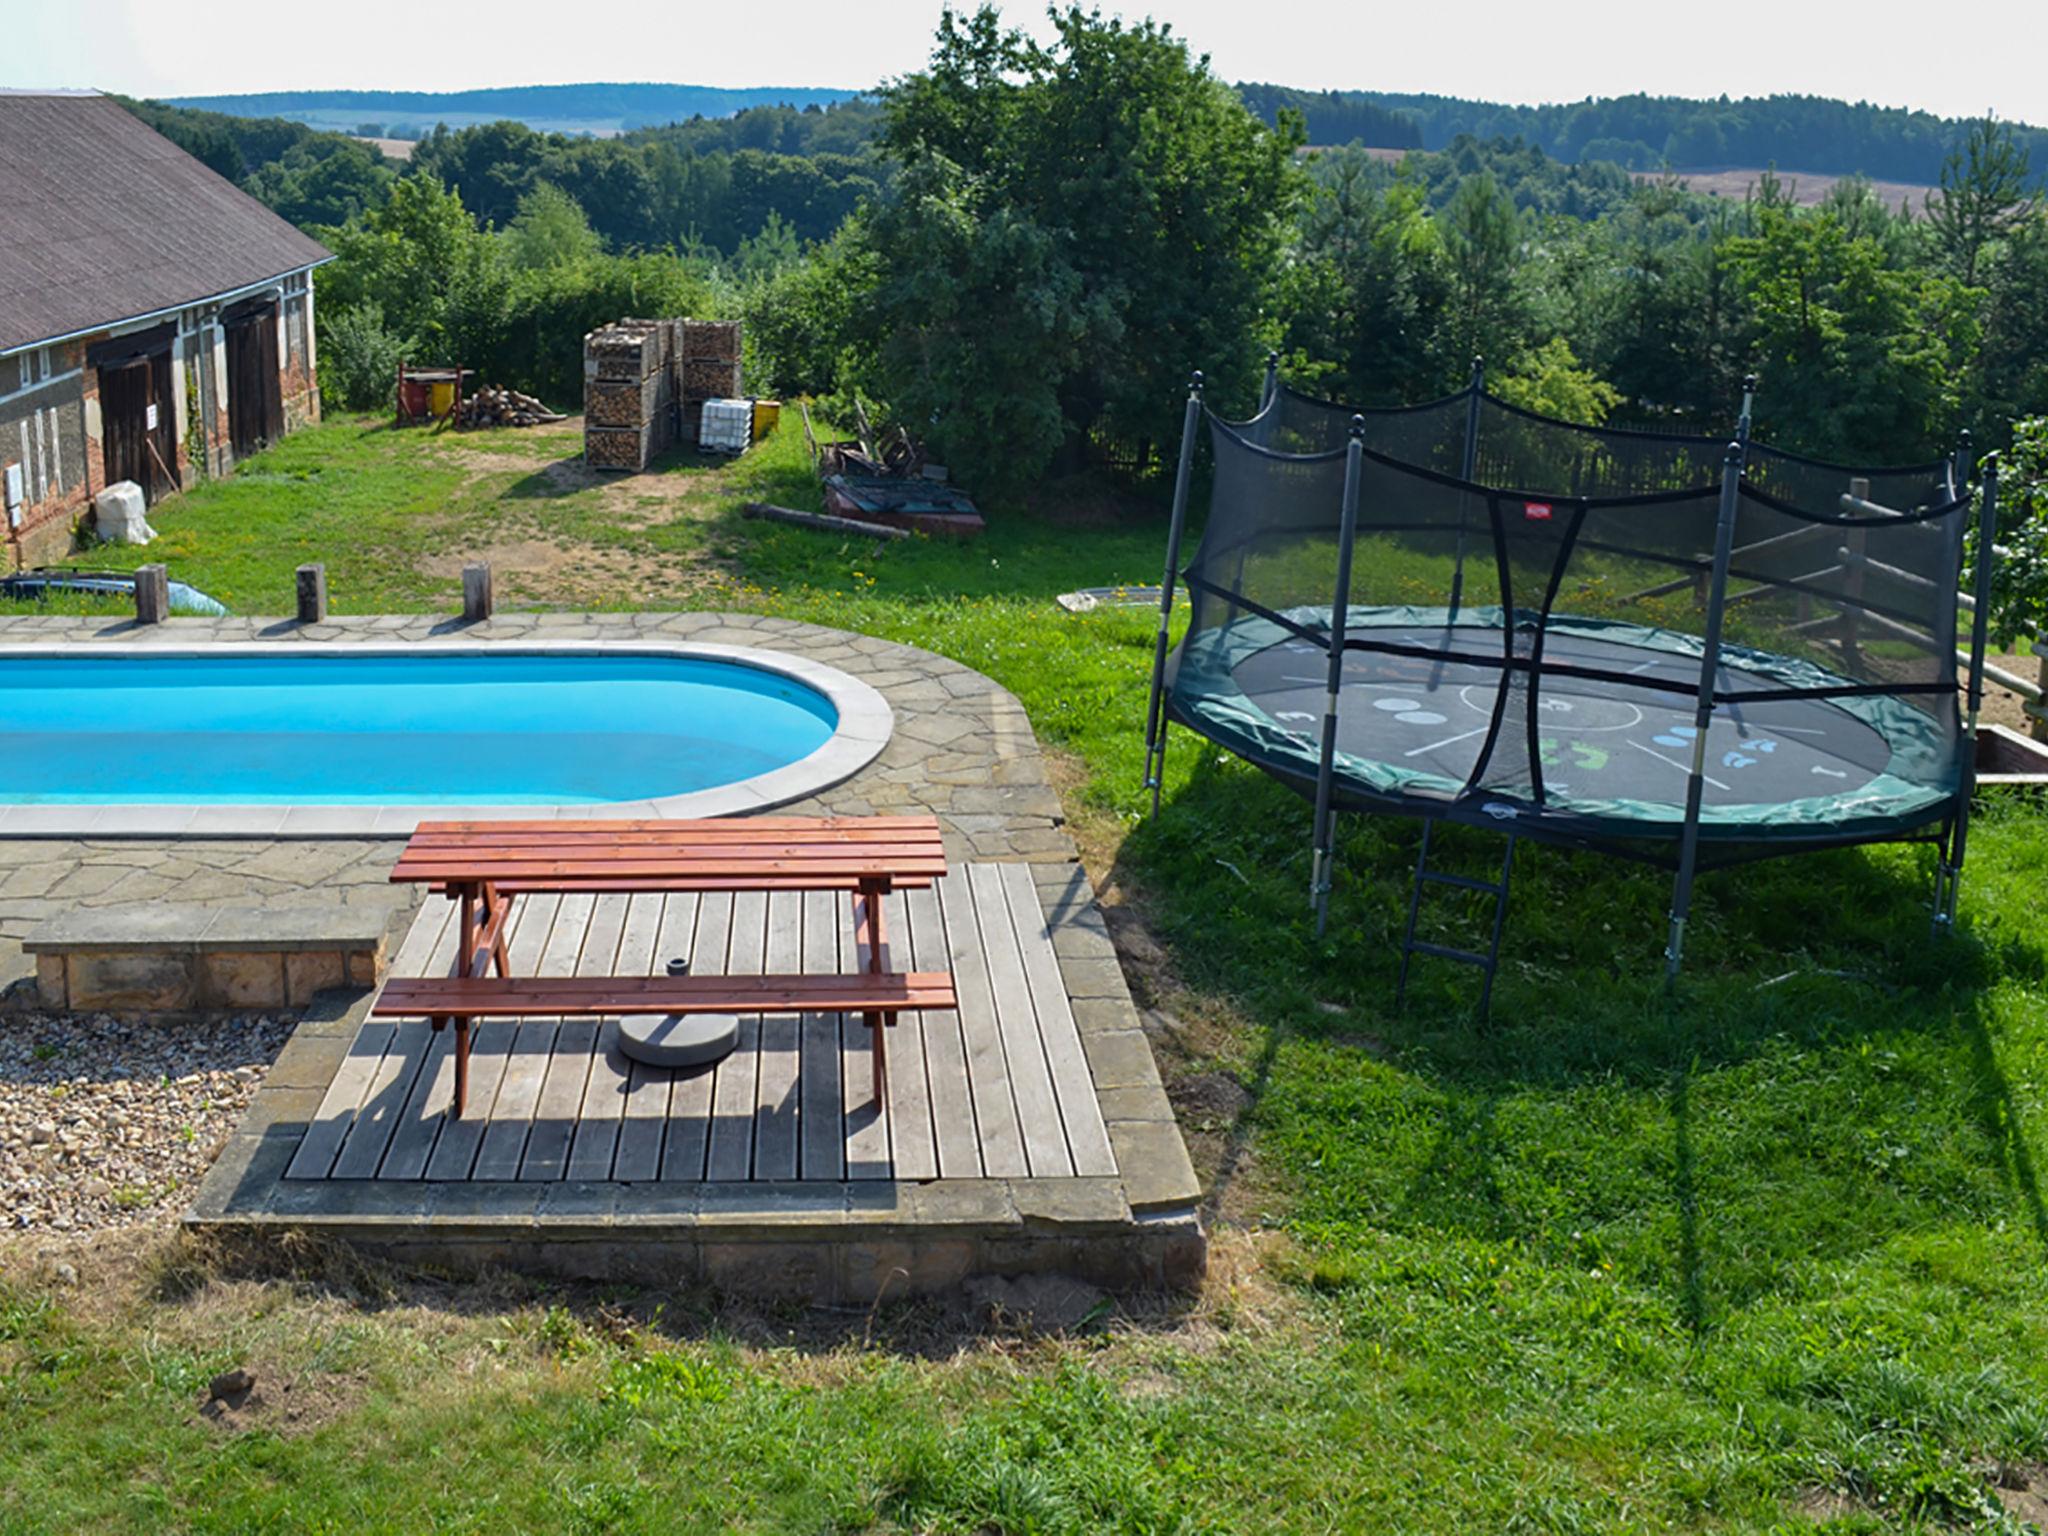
156, 322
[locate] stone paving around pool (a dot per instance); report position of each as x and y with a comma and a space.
962, 749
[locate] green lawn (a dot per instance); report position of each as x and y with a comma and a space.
1770, 1257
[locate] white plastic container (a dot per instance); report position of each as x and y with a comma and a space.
727, 426
117, 514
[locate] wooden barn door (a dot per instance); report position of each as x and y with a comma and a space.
255, 394
134, 450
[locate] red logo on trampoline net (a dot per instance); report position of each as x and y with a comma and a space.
1536, 511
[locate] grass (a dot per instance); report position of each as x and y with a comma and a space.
1768, 1256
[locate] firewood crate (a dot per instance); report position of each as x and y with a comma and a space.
718, 340
709, 378
627, 448
616, 353
624, 402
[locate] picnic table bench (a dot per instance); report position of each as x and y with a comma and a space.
483, 865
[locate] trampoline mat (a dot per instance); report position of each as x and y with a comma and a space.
1610, 747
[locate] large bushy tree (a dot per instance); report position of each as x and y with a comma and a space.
1076, 226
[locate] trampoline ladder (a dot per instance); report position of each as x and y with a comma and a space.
1411, 946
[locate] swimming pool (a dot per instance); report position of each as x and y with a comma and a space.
362, 738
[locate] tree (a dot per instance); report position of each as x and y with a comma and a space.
2012, 364
323, 182
1365, 288
1146, 203
439, 282
1549, 381
490, 167
2019, 579
1860, 361
977, 359
550, 230
1985, 193
1483, 240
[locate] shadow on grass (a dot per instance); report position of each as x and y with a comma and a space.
1825, 1081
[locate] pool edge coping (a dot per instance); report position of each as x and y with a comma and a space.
865, 723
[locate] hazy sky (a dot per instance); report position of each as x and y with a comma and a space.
1950, 59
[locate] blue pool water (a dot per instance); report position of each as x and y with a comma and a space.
394, 730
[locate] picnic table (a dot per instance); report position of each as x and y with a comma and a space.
484, 865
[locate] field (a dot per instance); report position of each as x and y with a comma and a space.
1765, 1256
1808, 189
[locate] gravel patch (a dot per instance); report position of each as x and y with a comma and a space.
107, 1123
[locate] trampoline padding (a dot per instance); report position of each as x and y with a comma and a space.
1615, 750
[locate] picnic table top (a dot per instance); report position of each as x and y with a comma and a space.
726, 854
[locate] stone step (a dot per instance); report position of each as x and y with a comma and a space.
181, 958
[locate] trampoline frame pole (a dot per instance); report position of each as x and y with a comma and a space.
1155, 713
1271, 392
1326, 765
1742, 422
1468, 471
1949, 883
1703, 710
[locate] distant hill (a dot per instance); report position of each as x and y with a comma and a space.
599, 109
1816, 135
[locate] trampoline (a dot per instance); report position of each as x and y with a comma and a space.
1677, 649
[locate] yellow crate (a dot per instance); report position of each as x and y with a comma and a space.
766, 414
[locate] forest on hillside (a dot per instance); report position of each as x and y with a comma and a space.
1653, 133
957, 250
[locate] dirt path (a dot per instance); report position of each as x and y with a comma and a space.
558, 533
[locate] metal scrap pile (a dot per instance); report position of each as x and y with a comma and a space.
887, 479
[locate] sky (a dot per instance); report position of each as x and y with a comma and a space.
1956, 61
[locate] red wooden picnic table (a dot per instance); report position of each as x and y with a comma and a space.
484, 864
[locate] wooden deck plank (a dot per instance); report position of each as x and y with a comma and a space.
1038, 1111
337, 1112
867, 1122
429, 946
363, 1149
820, 1113
957, 1143
611, 1074
526, 1066
913, 1153
568, 1071
733, 1094
455, 1148
492, 1050
688, 1138
433, 927
435, 918
775, 1089
426, 1109
1073, 1084
650, 938
988, 1072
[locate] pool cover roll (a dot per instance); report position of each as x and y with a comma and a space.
1523, 639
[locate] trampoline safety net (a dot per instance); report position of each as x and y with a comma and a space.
1523, 630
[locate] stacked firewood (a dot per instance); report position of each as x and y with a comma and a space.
628, 404
496, 407
708, 359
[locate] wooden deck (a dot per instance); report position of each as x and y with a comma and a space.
1000, 1089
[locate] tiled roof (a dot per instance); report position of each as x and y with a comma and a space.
102, 219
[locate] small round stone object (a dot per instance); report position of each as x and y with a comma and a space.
676, 1039
679, 1039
